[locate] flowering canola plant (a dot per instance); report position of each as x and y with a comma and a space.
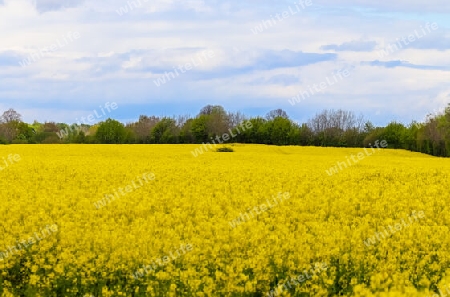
327, 220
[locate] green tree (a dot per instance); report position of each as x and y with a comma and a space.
374, 135
186, 135
110, 132
394, 133
199, 128
280, 130
25, 133
164, 131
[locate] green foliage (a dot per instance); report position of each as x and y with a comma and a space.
336, 128
280, 128
3, 140
164, 131
374, 135
186, 135
25, 133
199, 128
257, 134
393, 133
110, 132
80, 138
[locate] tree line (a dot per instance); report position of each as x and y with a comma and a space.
336, 128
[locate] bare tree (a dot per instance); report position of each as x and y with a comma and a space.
235, 118
50, 127
181, 120
336, 119
218, 120
207, 110
336, 126
143, 127
276, 113
10, 116
9, 122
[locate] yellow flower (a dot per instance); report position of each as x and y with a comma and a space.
245, 238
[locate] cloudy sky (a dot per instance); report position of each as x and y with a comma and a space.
62, 59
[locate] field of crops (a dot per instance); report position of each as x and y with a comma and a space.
153, 220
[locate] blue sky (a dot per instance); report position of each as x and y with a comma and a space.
62, 59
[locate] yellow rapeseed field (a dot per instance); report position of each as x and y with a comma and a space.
153, 220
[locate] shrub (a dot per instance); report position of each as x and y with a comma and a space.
3, 140
224, 149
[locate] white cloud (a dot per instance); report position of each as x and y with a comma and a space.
119, 56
